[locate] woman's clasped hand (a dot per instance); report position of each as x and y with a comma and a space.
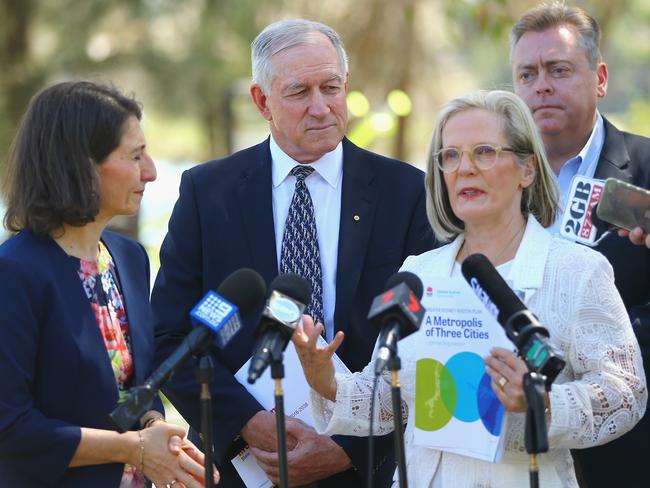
168, 458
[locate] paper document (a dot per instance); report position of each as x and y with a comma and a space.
296, 404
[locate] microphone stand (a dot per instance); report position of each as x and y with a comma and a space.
536, 438
277, 373
394, 365
204, 376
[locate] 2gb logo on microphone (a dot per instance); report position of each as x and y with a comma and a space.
577, 222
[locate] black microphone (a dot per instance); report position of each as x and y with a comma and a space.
397, 313
520, 324
218, 318
598, 222
289, 295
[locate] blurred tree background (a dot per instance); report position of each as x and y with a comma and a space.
189, 63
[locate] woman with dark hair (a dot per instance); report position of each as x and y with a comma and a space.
76, 329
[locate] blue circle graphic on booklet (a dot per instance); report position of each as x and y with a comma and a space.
489, 406
467, 369
459, 389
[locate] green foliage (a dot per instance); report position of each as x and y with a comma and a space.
189, 61
638, 119
179, 57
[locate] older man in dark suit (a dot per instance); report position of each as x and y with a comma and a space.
558, 70
306, 200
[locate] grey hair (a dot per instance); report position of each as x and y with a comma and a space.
546, 16
539, 199
282, 35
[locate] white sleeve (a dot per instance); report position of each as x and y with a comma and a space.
608, 393
350, 413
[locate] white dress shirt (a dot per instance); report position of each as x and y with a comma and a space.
324, 186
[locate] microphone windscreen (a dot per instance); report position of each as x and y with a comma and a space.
292, 285
478, 267
244, 288
411, 280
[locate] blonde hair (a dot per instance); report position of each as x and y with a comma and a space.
540, 198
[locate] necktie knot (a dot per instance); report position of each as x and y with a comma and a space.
302, 171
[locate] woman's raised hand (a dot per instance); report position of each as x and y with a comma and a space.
317, 361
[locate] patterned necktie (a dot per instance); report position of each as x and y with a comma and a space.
300, 252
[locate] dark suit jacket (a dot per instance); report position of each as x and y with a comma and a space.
55, 373
223, 220
623, 462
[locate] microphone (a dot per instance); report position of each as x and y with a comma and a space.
598, 222
397, 313
579, 221
288, 297
520, 324
217, 314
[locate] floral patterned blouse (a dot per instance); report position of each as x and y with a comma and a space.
100, 283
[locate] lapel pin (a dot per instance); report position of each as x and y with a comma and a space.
356, 218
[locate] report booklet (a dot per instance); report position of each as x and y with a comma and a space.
455, 407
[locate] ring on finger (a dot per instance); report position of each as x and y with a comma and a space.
171, 483
503, 381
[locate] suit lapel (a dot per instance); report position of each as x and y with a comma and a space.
614, 158
254, 192
358, 203
84, 328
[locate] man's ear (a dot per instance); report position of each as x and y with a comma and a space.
601, 80
260, 101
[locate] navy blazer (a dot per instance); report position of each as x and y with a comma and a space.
223, 221
55, 373
623, 461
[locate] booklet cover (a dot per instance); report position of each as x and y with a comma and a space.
455, 407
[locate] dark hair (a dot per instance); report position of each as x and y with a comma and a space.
67, 129
546, 16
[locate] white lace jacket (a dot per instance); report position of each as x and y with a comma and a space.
600, 394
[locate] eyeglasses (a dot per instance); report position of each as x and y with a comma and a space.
484, 156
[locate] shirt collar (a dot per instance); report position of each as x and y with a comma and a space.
589, 154
527, 270
329, 166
